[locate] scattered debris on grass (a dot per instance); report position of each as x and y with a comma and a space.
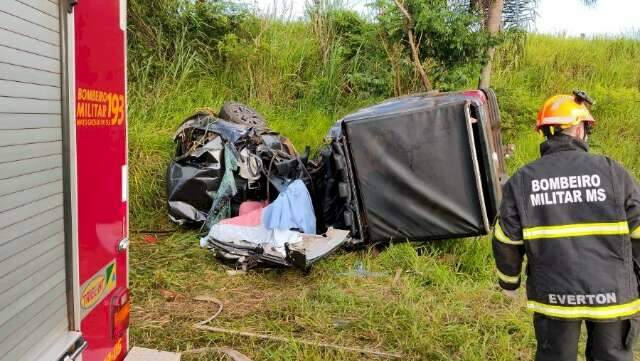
236, 272
204, 327
169, 296
233, 354
150, 239
360, 271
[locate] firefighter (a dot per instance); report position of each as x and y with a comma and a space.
576, 216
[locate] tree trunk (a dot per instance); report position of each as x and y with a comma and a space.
493, 22
415, 51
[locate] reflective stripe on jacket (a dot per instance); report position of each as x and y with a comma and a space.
576, 217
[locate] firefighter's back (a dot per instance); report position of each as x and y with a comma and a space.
575, 230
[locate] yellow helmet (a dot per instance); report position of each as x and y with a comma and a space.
565, 111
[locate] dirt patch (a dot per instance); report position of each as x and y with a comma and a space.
239, 302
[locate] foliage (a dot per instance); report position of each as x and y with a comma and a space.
519, 14
356, 56
359, 42
451, 39
160, 30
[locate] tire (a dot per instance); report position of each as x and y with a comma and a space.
242, 114
494, 119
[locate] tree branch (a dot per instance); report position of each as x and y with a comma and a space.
415, 52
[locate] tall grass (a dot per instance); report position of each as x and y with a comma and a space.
603, 67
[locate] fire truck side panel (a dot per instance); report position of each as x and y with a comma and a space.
100, 110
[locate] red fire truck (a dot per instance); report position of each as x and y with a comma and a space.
63, 180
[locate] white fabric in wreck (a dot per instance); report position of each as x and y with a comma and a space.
275, 238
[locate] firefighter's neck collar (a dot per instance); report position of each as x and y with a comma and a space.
562, 142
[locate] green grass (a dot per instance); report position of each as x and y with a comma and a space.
444, 306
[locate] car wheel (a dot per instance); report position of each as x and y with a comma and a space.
242, 114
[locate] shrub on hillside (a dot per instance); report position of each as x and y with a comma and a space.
452, 40
160, 31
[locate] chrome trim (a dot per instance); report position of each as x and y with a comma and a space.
79, 350
77, 353
123, 245
66, 161
70, 5
71, 166
476, 166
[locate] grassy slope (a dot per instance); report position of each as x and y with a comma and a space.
444, 306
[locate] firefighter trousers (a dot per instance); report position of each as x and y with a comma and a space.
606, 341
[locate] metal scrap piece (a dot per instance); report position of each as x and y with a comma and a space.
314, 247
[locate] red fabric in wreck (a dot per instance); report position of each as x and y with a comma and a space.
251, 219
250, 206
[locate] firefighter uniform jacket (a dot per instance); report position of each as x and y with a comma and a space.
576, 216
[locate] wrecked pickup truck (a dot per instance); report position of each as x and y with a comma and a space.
419, 167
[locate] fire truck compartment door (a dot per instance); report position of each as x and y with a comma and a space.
33, 299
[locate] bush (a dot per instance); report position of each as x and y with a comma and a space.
162, 30
452, 41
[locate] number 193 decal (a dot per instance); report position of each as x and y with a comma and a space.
99, 108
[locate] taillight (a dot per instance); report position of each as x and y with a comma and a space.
120, 310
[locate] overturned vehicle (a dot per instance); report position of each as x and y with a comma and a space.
420, 167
